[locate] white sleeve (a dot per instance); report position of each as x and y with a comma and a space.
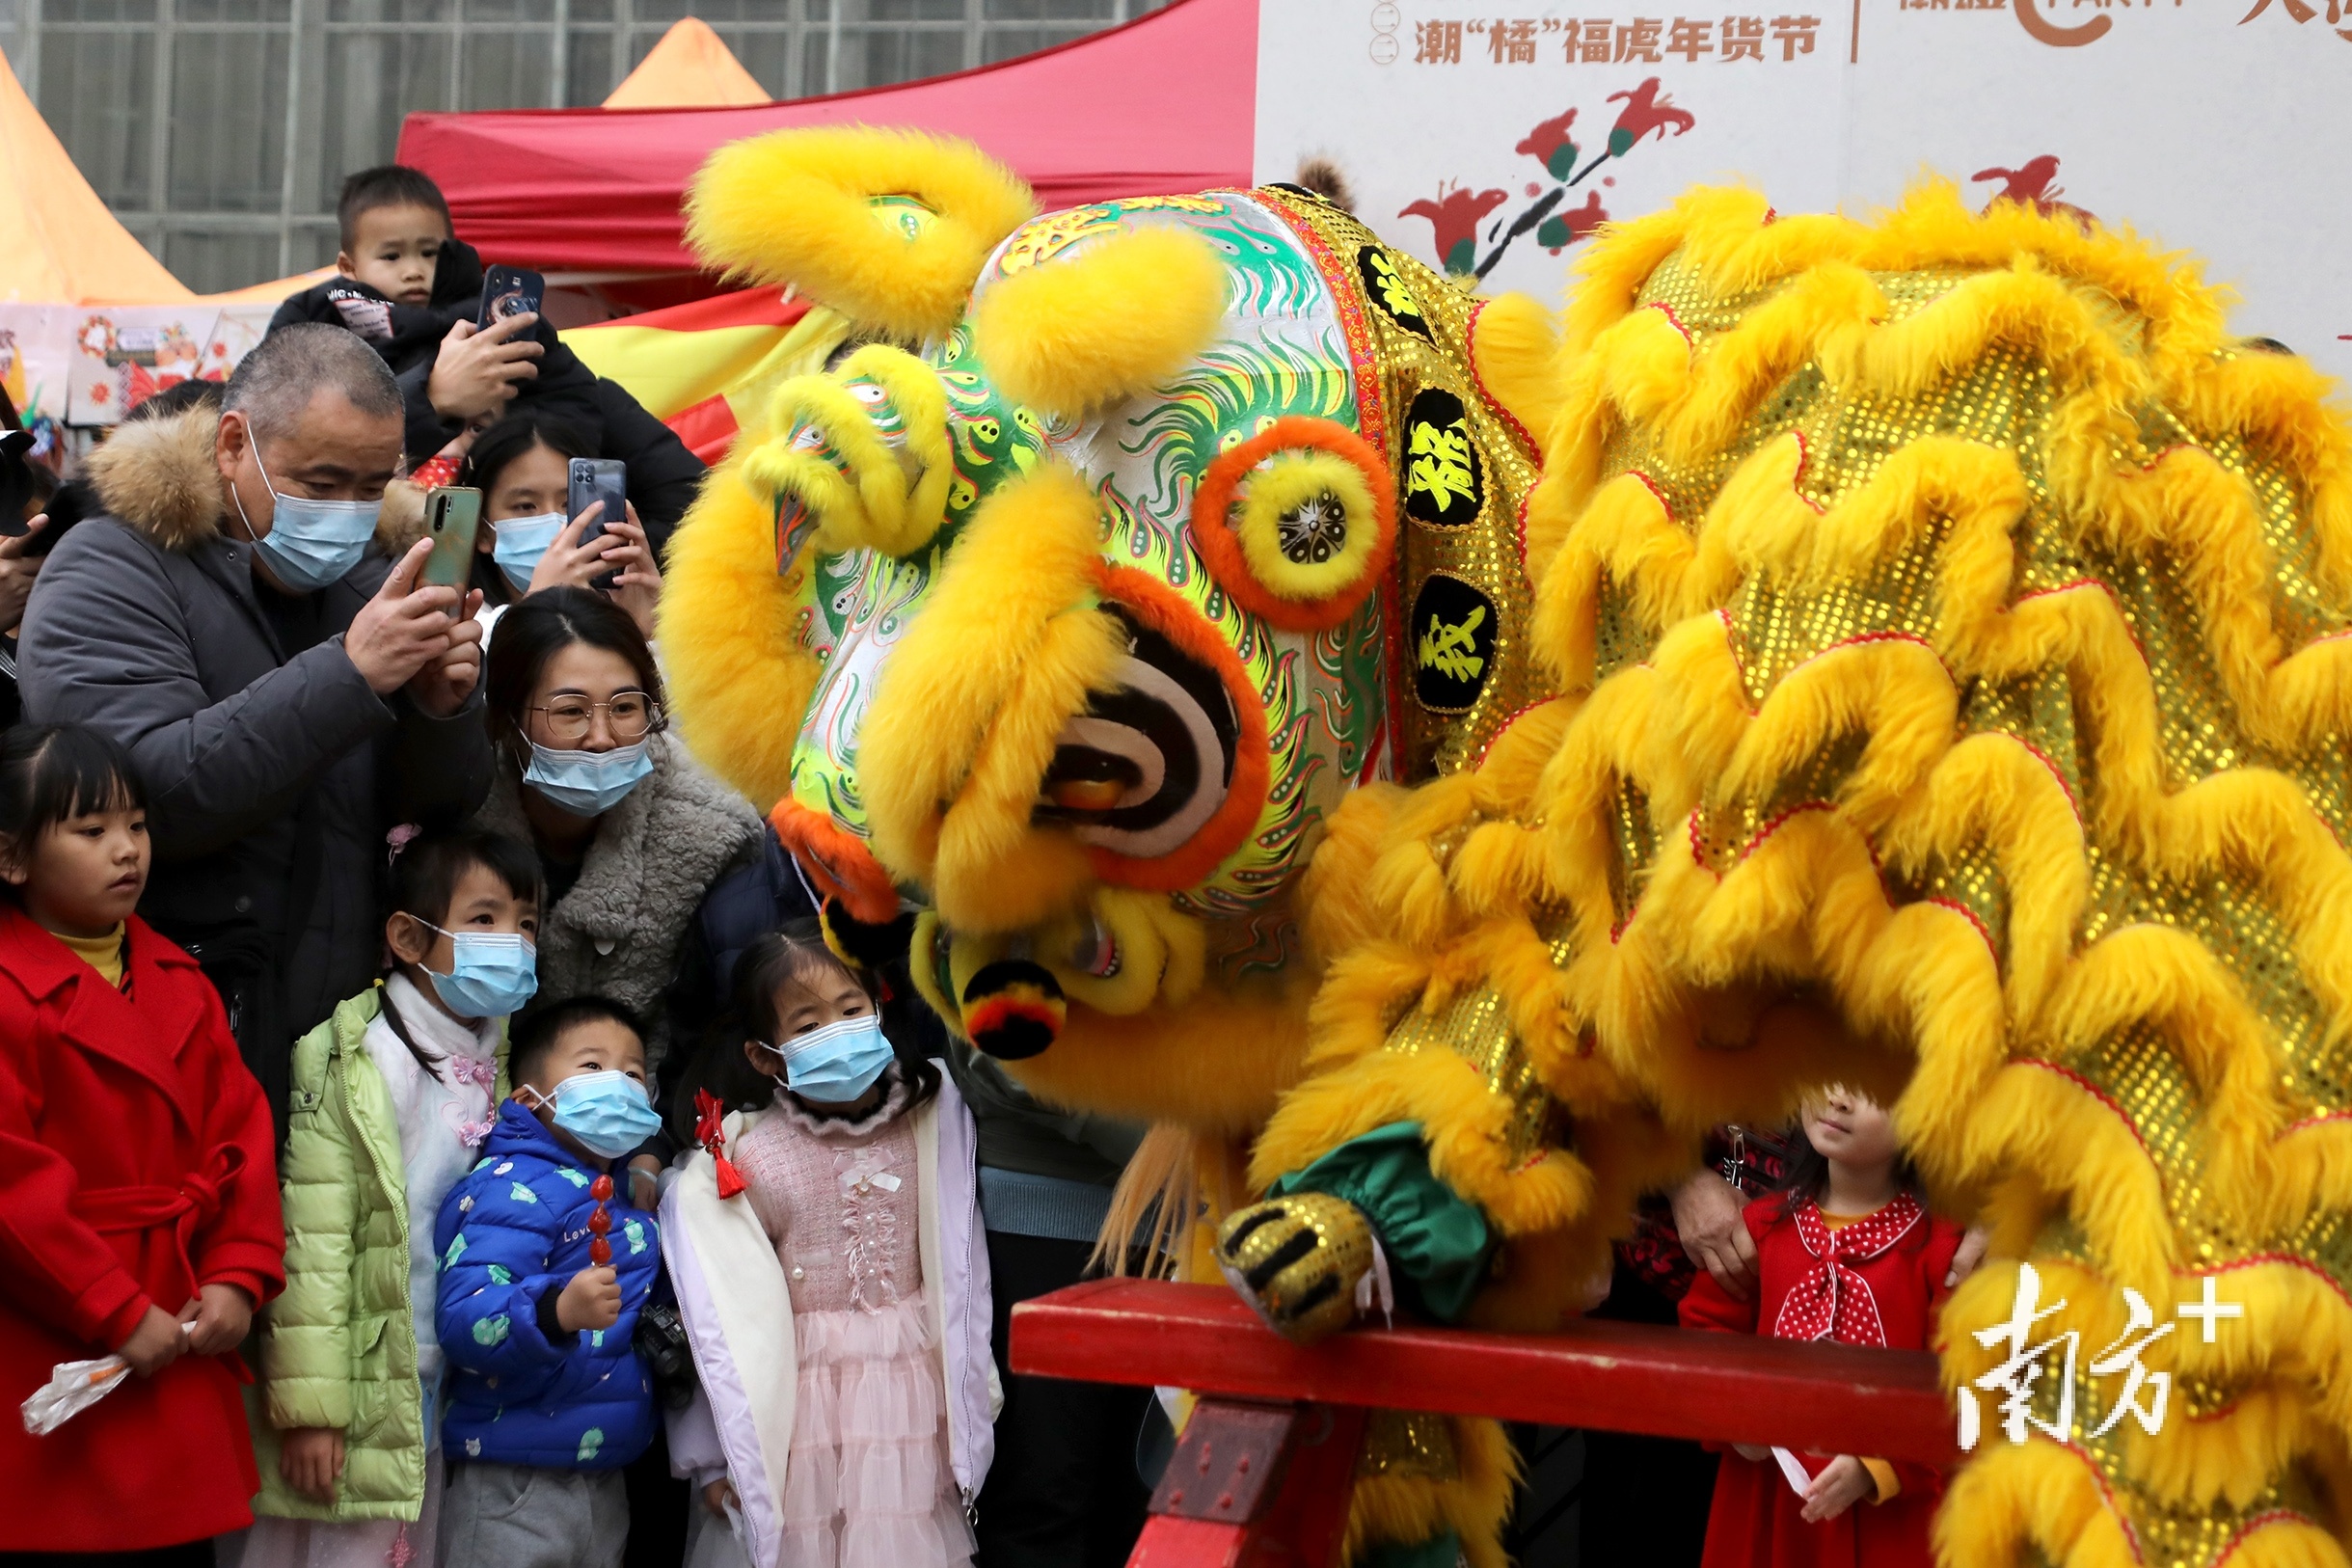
695, 1453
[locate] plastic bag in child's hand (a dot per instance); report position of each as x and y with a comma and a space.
73, 1387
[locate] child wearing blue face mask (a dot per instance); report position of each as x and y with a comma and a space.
392, 1099
826, 1251
544, 1266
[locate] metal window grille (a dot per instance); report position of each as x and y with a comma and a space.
219, 131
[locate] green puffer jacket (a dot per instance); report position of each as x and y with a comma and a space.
340, 1348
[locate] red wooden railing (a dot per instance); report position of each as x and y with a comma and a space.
1261, 1474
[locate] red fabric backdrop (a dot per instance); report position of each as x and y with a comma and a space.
1165, 103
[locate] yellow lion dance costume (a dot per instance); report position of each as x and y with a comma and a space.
1923, 665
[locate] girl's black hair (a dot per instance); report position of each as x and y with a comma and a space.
520, 432
537, 630
51, 773
795, 955
492, 453
424, 877
1806, 1174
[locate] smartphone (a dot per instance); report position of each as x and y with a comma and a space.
451, 515
592, 479
509, 291
17, 488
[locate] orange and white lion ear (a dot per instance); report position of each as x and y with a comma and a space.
889, 227
1297, 524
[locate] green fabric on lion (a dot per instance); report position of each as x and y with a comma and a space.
1439, 1551
1434, 1238
338, 1348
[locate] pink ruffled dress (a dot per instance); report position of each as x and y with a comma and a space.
868, 1483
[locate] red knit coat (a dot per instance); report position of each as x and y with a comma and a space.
1757, 1518
136, 1164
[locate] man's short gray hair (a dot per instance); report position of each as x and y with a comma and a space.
272, 384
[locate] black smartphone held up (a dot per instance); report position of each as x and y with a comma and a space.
593, 479
16, 490
451, 515
510, 292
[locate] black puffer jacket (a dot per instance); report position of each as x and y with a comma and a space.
663, 473
409, 337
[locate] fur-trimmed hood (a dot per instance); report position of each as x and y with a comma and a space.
158, 475
619, 929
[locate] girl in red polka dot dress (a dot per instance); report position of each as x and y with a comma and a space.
1845, 1250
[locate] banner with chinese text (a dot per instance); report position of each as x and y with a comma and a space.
1490, 139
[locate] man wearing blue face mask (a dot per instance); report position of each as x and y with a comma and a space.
286, 691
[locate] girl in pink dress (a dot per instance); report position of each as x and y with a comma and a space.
831, 1273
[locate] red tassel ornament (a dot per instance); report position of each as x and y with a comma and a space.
711, 1134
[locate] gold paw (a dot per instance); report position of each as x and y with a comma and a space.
1297, 1260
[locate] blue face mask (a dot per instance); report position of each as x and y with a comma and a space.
491, 973
607, 1113
838, 1063
587, 783
521, 542
310, 543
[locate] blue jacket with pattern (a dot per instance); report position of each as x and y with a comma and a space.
511, 1234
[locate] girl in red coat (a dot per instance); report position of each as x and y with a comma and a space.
1845, 1251
138, 1200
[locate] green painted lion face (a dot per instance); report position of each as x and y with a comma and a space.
1235, 690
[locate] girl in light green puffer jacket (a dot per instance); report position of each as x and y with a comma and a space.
390, 1097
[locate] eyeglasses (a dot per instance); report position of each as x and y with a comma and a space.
630, 714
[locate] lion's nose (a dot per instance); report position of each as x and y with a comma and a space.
1012, 1008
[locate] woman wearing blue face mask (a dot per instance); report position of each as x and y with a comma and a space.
393, 1098
834, 1192
629, 833
527, 543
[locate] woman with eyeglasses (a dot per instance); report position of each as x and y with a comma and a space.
629, 831
632, 837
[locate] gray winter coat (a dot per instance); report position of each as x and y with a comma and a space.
271, 778
621, 929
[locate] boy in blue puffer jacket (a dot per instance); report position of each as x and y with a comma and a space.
548, 1398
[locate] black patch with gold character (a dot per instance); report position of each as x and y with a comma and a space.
1445, 484
1453, 643
1385, 285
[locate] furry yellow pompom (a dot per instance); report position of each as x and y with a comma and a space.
1106, 319
909, 512
1514, 348
796, 206
739, 679
964, 720
831, 450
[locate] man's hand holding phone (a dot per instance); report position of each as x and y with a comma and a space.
426, 639
478, 369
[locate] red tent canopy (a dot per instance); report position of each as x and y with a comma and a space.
1165, 103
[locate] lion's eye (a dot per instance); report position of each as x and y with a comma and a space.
1297, 522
